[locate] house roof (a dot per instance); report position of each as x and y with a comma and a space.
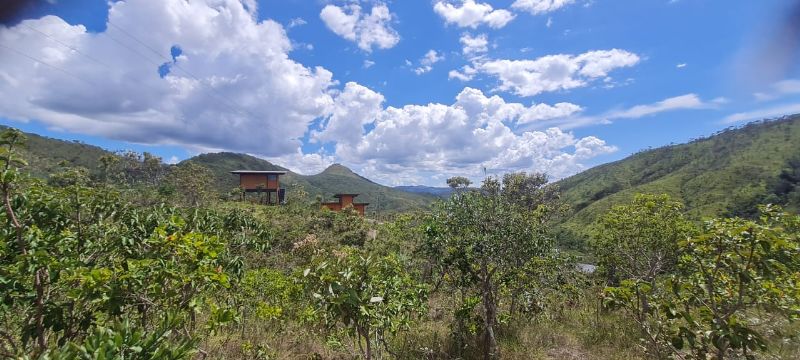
241, 172
340, 195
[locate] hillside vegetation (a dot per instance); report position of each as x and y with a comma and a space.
44, 154
725, 174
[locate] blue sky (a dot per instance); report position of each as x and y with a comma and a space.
404, 92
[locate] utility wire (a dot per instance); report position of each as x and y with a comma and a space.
35, 59
232, 105
64, 44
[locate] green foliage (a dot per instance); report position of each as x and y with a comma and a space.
640, 240
123, 340
733, 270
458, 182
192, 183
479, 240
372, 297
271, 296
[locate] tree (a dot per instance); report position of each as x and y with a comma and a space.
479, 239
458, 182
372, 297
640, 240
193, 183
731, 269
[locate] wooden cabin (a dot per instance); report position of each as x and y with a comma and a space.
344, 201
262, 182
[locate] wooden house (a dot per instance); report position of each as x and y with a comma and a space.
345, 201
263, 182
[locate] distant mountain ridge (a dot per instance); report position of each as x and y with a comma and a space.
422, 189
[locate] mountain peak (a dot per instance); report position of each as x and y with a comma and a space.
338, 169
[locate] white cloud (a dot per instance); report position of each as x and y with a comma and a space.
573, 120
355, 106
461, 138
234, 86
538, 7
474, 46
368, 64
368, 30
681, 65
295, 22
556, 72
778, 90
467, 73
472, 14
306, 164
427, 61
766, 113
688, 101
541, 112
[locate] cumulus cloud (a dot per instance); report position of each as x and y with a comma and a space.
355, 106
230, 83
427, 61
556, 72
472, 14
474, 131
305, 163
474, 46
368, 30
538, 7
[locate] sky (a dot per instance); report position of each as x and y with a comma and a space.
404, 92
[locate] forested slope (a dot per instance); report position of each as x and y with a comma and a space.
729, 173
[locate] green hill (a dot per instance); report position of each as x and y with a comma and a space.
728, 173
44, 154
335, 179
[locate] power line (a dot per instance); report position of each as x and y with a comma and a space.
227, 102
47, 64
63, 44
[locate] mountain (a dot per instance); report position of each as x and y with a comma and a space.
44, 154
335, 179
422, 189
728, 173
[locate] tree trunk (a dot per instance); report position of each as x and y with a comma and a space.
365, 334
489, 316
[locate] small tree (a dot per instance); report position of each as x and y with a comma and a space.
458, 182
640, 240
372, 298
480, 239
194, 183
